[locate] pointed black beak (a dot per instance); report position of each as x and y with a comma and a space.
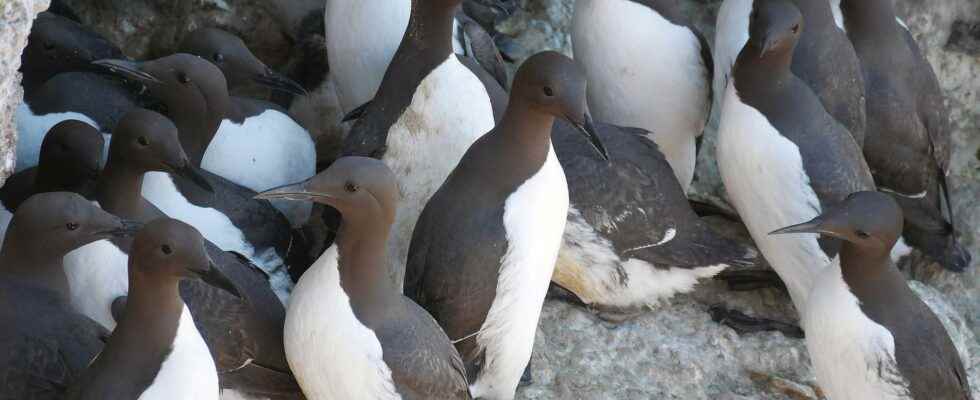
190, 172
812, 226
587, 128
127, 69
294, 191
127, 228
214, 277
274, 80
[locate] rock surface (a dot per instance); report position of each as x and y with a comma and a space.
16, 17
675, 351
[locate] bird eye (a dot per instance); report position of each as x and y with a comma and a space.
183, 78
166, 249
351, 187
71, 226
796, 29
862, 234
143, 141
218, 57
548, 91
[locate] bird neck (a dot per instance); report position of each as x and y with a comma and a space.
527, 131
145, 334
362, 260
868, 17
430, 28
868, 272
197, 126
119, 189
816, 14
771, 72
34, 265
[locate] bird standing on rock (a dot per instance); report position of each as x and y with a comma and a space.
350, 334
869, 335
782, 157
485, 246
908, 145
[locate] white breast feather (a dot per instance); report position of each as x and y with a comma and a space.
97, 274
731, 34
31, 130
764, 176
854, 357
364, 35
320, 325
590, 260
160, 190
265, 151
646, 72
427, 142
534, 219
188, 373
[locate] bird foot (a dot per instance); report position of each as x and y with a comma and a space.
751, 279
744, 324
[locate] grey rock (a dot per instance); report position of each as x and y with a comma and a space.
16, 18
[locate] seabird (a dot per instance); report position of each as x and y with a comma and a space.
156, 352
428, 111
869, 335
824, 59
244, 334
350, 333
908, 145
45, 345
71, 158
485, 246
631, 237
782, 157
258, 150
668, 94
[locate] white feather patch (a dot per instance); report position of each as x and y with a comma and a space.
589, 266
666, 94
853, 356
97, 274
731, 33
534, 219
188, 373
320, 325
265, 151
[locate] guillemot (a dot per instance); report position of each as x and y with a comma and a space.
346, 309
908, 146
869, 335
429, 109
485, 246
45, 345
244, 334
782, 157
156, 352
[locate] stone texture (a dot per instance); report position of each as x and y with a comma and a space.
16, 17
